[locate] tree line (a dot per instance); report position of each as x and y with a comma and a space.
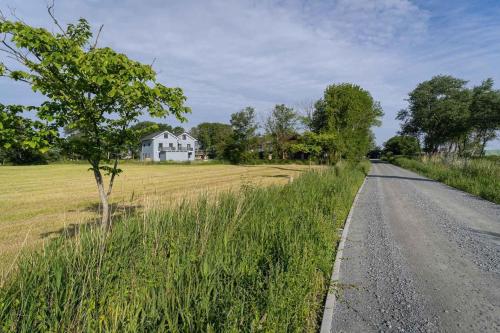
446, 116
336, 126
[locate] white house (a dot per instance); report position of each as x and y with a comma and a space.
165, 146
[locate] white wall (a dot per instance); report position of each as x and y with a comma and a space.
175, 156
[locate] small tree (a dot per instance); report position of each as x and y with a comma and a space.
244, 126
95, 91
281, 125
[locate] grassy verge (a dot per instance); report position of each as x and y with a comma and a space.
259, 260
480, 177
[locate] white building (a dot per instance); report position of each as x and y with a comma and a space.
165, 146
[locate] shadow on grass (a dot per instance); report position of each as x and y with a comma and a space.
118, 212
276, 176
287, 169
400, 177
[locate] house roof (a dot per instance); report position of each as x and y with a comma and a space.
152, 135
155, 134
185, 133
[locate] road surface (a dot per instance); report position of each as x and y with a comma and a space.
419, 257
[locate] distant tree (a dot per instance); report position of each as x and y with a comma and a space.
213, 138
402, 145
314, 145
346, 113
178, 130
484, 114
95, 91
439, 111
281, 126
244, 125
375, 152
319, 118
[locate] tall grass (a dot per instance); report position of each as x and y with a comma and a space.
479, 176
259, 260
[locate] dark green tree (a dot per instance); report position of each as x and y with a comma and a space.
438, 111
95, 91
346, 113
243, 139
178, 130
484, 115
281, 125
213, 138
402, 145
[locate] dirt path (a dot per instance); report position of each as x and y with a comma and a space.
419, 256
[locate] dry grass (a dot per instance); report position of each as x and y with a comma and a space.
40, 202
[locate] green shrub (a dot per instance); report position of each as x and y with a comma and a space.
260, 260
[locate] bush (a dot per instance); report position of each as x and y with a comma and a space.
401, 145
260, 260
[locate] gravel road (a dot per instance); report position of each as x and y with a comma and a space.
419, 257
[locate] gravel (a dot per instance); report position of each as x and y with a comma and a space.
419, 257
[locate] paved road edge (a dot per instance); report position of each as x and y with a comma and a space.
331, 299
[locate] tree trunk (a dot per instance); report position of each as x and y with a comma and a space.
483, 146
103, 197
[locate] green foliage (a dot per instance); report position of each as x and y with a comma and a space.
484, 115
257, 260
479, 176
243, 139
22, 139
451, 117
281, 126
346, 114
213, 138
402, 145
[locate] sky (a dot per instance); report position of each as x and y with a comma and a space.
227, 55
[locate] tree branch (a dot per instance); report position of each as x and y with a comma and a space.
50, 10
113, 174
97, 37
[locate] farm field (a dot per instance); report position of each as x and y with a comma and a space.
40, 202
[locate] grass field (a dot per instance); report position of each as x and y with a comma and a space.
39, 202
479, 176
254, 260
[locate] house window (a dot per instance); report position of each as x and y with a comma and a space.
165, 135
183, 136
160, 146
189, 146
171, 145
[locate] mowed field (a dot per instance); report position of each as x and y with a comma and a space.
40, 202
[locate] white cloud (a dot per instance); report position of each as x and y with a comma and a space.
229, 54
